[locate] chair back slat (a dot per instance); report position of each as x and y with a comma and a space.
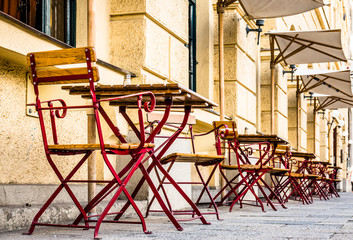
62, 57
73, 75
232, 127
65, 66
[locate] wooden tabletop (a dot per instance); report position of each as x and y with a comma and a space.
181, 95
255, 138
335, 167
321, 162
303, 155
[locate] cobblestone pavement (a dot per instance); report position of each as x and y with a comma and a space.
332, 219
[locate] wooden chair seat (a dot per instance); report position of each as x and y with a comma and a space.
311, 175
336, 180
278, 171
246, 167
295, 175
80, 147
199, 159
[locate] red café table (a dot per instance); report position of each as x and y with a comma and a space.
168, 96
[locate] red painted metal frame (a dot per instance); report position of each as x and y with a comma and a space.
287, 186
155, 156
248, 178
310, 185
202, 182
119, 181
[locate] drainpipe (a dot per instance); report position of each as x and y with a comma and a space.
91, 123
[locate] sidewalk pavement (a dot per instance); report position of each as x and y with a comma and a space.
332, 219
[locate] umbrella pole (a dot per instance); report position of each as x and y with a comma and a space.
220, 11
272, 66
314, 112
272, 99
298, 115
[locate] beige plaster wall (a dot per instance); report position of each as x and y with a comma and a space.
324, 141
205, 45
149, 37
313, 131
22, 152
240, 56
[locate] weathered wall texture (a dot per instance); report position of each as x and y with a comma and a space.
149, 37
240, 69
22, 152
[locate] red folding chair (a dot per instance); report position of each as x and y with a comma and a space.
197, 160
281, 169
60, 67
298, 182
250, 166
332, 182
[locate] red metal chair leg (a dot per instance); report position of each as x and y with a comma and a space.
181, 192
58, 190
205, 189
249, 187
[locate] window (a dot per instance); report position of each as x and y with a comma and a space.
56, 18
192, 45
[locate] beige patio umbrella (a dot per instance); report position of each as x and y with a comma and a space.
303, 47
257, 9
333, 83
332, 102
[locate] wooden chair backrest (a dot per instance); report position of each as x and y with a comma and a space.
283, 149
65, 66
232, 127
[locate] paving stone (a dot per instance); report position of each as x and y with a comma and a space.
331, 219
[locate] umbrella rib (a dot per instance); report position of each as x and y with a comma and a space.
320, 83
305, 85
313, 48
328, 101
309, 41
272, 47
335, 78
294, 52
330, 55
285, 49
313, 86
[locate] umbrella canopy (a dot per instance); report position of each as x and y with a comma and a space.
303, 47
333, 83
256, 9
331, 102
